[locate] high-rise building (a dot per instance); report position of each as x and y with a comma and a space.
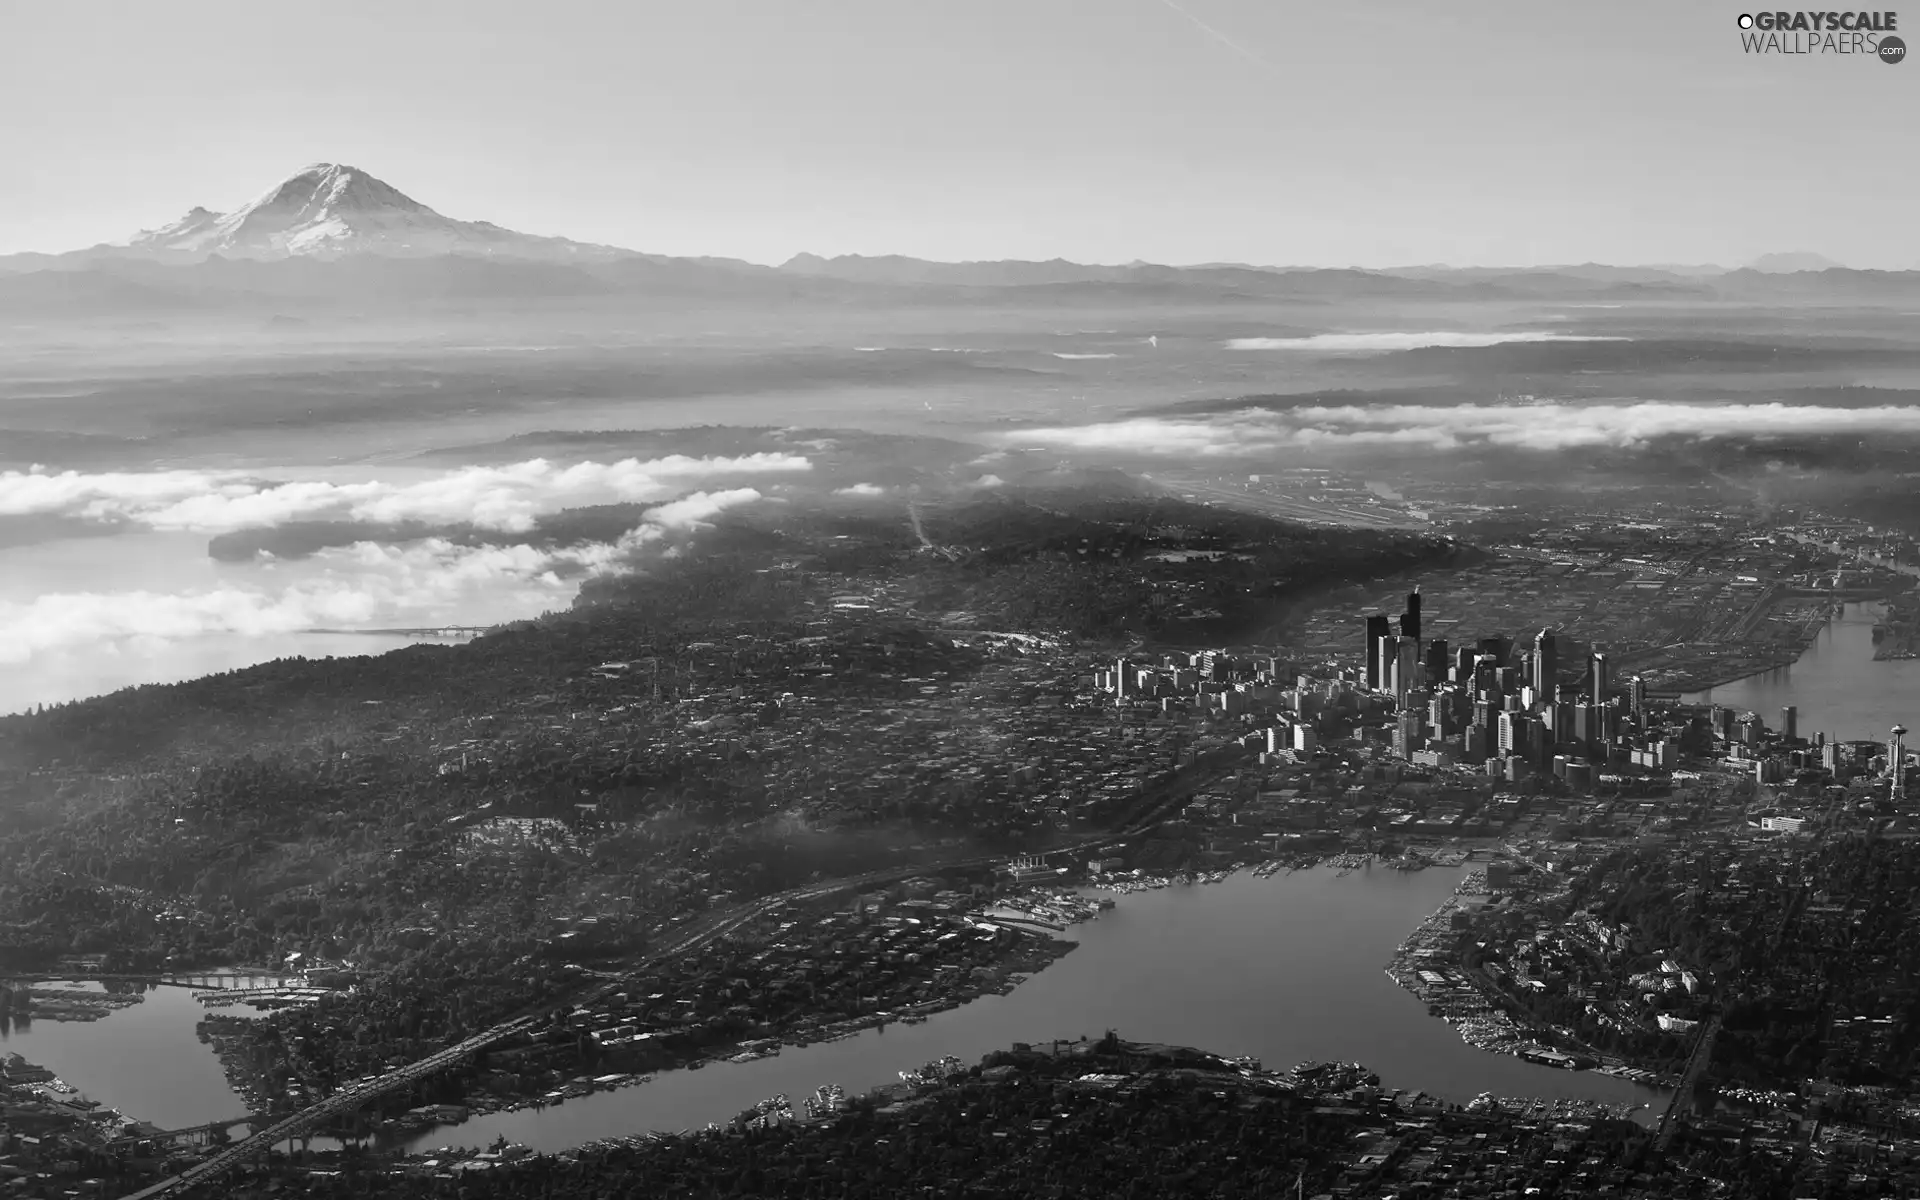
1546, 663
1637, 698
1897, 763
1599, 682
1586, 723
1476, 744
1379, 629
1513, 733
1436, 662
1410, 622
1120, 681
1406, 667
1790, 722
1483, 714
1407, 737
1498, 647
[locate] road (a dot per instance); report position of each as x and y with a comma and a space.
1683, 1095
692, 936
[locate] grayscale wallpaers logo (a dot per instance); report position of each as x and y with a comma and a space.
1868, 34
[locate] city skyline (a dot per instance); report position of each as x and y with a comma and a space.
1208, 131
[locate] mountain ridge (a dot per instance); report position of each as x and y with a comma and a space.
332, 234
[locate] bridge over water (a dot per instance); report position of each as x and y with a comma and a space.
697, 933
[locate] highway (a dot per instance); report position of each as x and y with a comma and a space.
690, 937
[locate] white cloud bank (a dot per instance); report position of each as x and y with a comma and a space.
861, 489
1383, 342
363, 585
505, 498
1543, 426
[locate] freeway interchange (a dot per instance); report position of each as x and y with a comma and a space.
1154, 801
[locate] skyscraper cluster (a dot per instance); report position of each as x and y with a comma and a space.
1507, 706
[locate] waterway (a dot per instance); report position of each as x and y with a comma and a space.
1286, 968
144, 1060
1835, 684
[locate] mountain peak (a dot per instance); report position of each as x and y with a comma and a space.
330, 210
1792, 261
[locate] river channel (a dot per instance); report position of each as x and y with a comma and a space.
1836, 685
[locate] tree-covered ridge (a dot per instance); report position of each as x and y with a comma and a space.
1815, 953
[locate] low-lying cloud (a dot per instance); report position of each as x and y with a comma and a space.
363, 585
861, 489
1382, 342
507, 498
1542, 426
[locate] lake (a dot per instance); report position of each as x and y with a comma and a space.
1835, 684
144, 1060
1287, 968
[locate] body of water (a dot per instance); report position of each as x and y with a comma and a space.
1836, 685
1287, 968
143, 1060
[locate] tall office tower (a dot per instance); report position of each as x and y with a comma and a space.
1378, 630
1482, 680
1436, 662
1563, 720
1598, 681
1830, 756
1407, 736
1546, 664
1513, 733
1897, 763
1790, 722
1586, 723
1410, 621
1498, 647
1722, 721
1637, 698
1406, 666
1120, 672
1476, 744
1482, 714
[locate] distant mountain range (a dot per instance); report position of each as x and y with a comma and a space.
332, 235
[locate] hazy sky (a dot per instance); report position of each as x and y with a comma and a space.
1327, 133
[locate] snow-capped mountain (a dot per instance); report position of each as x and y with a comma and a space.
330, 210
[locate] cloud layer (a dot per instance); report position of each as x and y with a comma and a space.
1351, 342
1543, 426
506, 498
364, 585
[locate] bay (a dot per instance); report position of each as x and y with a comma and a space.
1835, 684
